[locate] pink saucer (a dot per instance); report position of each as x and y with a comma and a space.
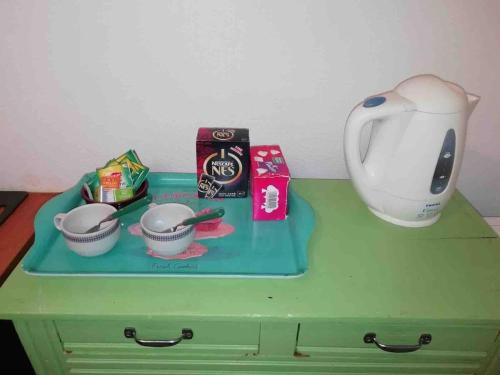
135, 229
208, 225
222, 230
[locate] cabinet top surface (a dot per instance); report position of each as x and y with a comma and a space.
359, 267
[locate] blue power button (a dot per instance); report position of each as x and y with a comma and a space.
373, 102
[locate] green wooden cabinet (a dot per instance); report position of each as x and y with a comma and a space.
364, 276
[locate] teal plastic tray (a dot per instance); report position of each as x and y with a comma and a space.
253, 249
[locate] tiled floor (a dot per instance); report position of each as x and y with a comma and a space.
494, 223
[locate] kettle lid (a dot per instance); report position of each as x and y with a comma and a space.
431, 94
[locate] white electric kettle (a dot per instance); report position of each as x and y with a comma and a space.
415, 151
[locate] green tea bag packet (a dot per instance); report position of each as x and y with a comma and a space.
110, 195
91, 186
139, 171
115, 183
118, 180
131, 159
130, 155
113, 167
140, 177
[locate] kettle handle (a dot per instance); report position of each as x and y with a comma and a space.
373, 108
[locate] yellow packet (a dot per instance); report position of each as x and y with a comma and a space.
110, 177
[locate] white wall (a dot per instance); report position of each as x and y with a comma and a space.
83, 81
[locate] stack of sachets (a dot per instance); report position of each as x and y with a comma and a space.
119, 179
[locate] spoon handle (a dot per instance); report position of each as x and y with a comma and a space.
215, 213
132, 206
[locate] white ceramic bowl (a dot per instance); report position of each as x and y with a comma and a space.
161, 217
74, 223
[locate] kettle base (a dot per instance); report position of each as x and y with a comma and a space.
406, 223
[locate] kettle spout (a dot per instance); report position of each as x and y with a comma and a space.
472, 100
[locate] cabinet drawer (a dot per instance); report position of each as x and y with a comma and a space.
452, 350
204, 333
102, 346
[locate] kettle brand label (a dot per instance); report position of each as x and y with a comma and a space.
222, 157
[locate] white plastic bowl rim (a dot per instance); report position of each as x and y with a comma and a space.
106, 229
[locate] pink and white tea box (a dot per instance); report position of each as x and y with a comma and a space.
269, 182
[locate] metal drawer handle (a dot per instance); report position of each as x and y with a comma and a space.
371, 338
187, 334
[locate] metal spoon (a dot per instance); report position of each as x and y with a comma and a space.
215, 213
122, 211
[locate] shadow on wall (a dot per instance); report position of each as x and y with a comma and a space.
479, 181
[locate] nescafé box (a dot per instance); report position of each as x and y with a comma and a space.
269, 183
223, 162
